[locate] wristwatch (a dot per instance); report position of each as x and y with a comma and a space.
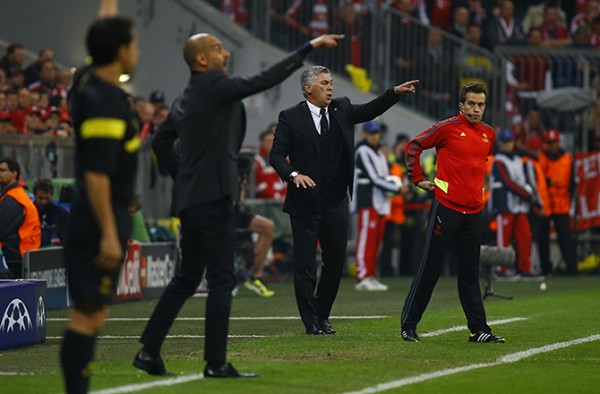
293, 175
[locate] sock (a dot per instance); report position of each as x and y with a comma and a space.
75, 356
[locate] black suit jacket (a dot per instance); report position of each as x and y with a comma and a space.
210, 121
297, 138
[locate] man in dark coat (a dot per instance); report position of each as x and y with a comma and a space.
318, 137
209, 120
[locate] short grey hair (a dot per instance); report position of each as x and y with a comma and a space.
309, 75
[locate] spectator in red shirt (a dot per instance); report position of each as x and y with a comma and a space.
32, 72
553, 34
267, 183
12, 62
47, 82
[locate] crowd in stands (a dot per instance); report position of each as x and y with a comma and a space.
33, 99
480, 25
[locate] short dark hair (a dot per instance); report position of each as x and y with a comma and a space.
13, 47
13, 165
105, 37
43, 184
471, 87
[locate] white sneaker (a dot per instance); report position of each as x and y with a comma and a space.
370, 284
380, 286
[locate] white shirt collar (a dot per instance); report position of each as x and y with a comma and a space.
316, 114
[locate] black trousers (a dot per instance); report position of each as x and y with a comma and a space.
208, 241
329, 226
447, 227
562, 224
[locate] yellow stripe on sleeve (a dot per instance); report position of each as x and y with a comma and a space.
112, 128
441, 184
133, 144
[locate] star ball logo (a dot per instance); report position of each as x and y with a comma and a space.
41, 312
16, 316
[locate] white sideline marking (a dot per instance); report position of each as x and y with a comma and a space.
231, 318
461, 328
509, 358
15, 373
143, 386
170, 336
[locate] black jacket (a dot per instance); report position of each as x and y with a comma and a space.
297, 137
210, 121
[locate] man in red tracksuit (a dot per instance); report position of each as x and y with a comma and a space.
462, 145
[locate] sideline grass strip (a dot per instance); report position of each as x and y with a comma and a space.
509, 358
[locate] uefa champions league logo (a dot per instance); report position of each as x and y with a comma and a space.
16, 315
41, 312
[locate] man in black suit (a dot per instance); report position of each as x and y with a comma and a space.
210, 121
318, 137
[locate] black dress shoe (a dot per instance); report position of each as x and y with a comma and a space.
225, 371
152, 364
327, 328
314, 329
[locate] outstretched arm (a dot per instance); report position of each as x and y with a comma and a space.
326, 41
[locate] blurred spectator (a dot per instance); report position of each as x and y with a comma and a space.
559, 169
352, 19
512, 195
582, 37
47, 82
591, 12
12, 62
267, 183
64, 77
236, 11
57, 122
2, 101
157, 98
535, 15
3, 80
160, 115
6, 125
53, 217
34, 123
19, 220
16, 80
437, 13
373, 187
531, 128
503, 29
460, 23
594, 128
532, 71
478, 13
595, 34
553, 34
474, 64
12, 100
309, 17
18, 112
392, 235
404, 39
32, 72
431, 66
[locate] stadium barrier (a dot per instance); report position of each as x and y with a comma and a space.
23, 311
146, 271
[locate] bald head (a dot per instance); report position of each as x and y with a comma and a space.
204, 52
194, 45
